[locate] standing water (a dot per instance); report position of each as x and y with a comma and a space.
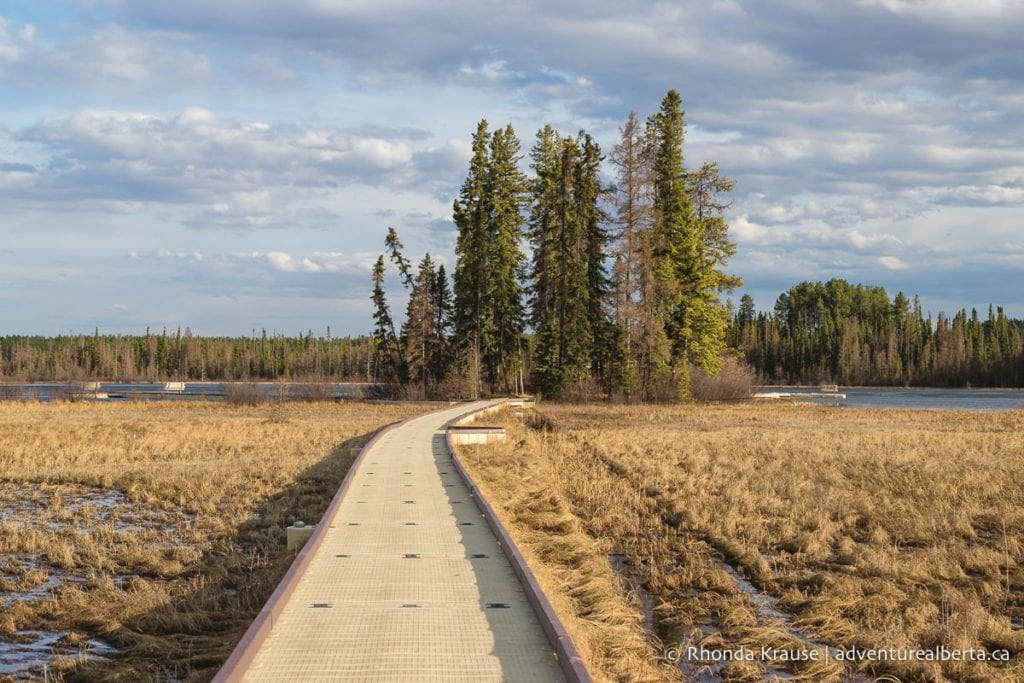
984, 400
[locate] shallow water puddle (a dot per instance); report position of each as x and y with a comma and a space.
632, 582
767, 610
703, 638
27, 578
48, 516
676, 639
766, 604
32, 652
66, 507
679, 638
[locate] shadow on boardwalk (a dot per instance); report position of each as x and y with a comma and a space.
501, 598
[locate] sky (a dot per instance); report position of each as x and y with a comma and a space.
233, 165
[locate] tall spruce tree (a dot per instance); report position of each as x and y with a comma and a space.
544, 236
607, 354
387, 356
471, 213
567, 306
441, 362
647, 325
503, 323
489, 273
688, 283
419, 332
576, 335
395, 246
707, 186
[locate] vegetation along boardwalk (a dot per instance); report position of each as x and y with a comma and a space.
405, 579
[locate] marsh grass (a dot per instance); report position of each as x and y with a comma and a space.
793, 527
604, 619
161, 525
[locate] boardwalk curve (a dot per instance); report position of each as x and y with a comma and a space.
406, 579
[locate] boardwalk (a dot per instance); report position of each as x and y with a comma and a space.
406, 583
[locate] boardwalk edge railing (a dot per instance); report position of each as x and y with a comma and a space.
569, 658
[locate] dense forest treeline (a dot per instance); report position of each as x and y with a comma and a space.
832, 332
839, 333
184, 356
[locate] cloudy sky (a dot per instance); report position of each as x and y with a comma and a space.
232, 164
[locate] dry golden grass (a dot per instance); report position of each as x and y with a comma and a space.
792, 527
604, 620
163, 523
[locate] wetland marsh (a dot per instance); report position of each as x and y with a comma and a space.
139, 540
794, 528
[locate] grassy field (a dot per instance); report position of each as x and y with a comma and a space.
794, 528
158, 528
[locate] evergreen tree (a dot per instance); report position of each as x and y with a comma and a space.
608, 353
544, 232
419, 332
394, 246
388, 365
706, 187
687, 280
504, 265
471, 213
570, 285
576, 336
837, 332
442, 299
745, 314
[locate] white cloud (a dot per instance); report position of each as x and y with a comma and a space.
698, 134
284, 262
488, 72
14, 43
175, 255
892, 263
870, 242
952, 10
233, 166
357, 263
382, 155
745, 230
109, 57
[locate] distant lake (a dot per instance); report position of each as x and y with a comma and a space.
856, 397
937, 399
46, 391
